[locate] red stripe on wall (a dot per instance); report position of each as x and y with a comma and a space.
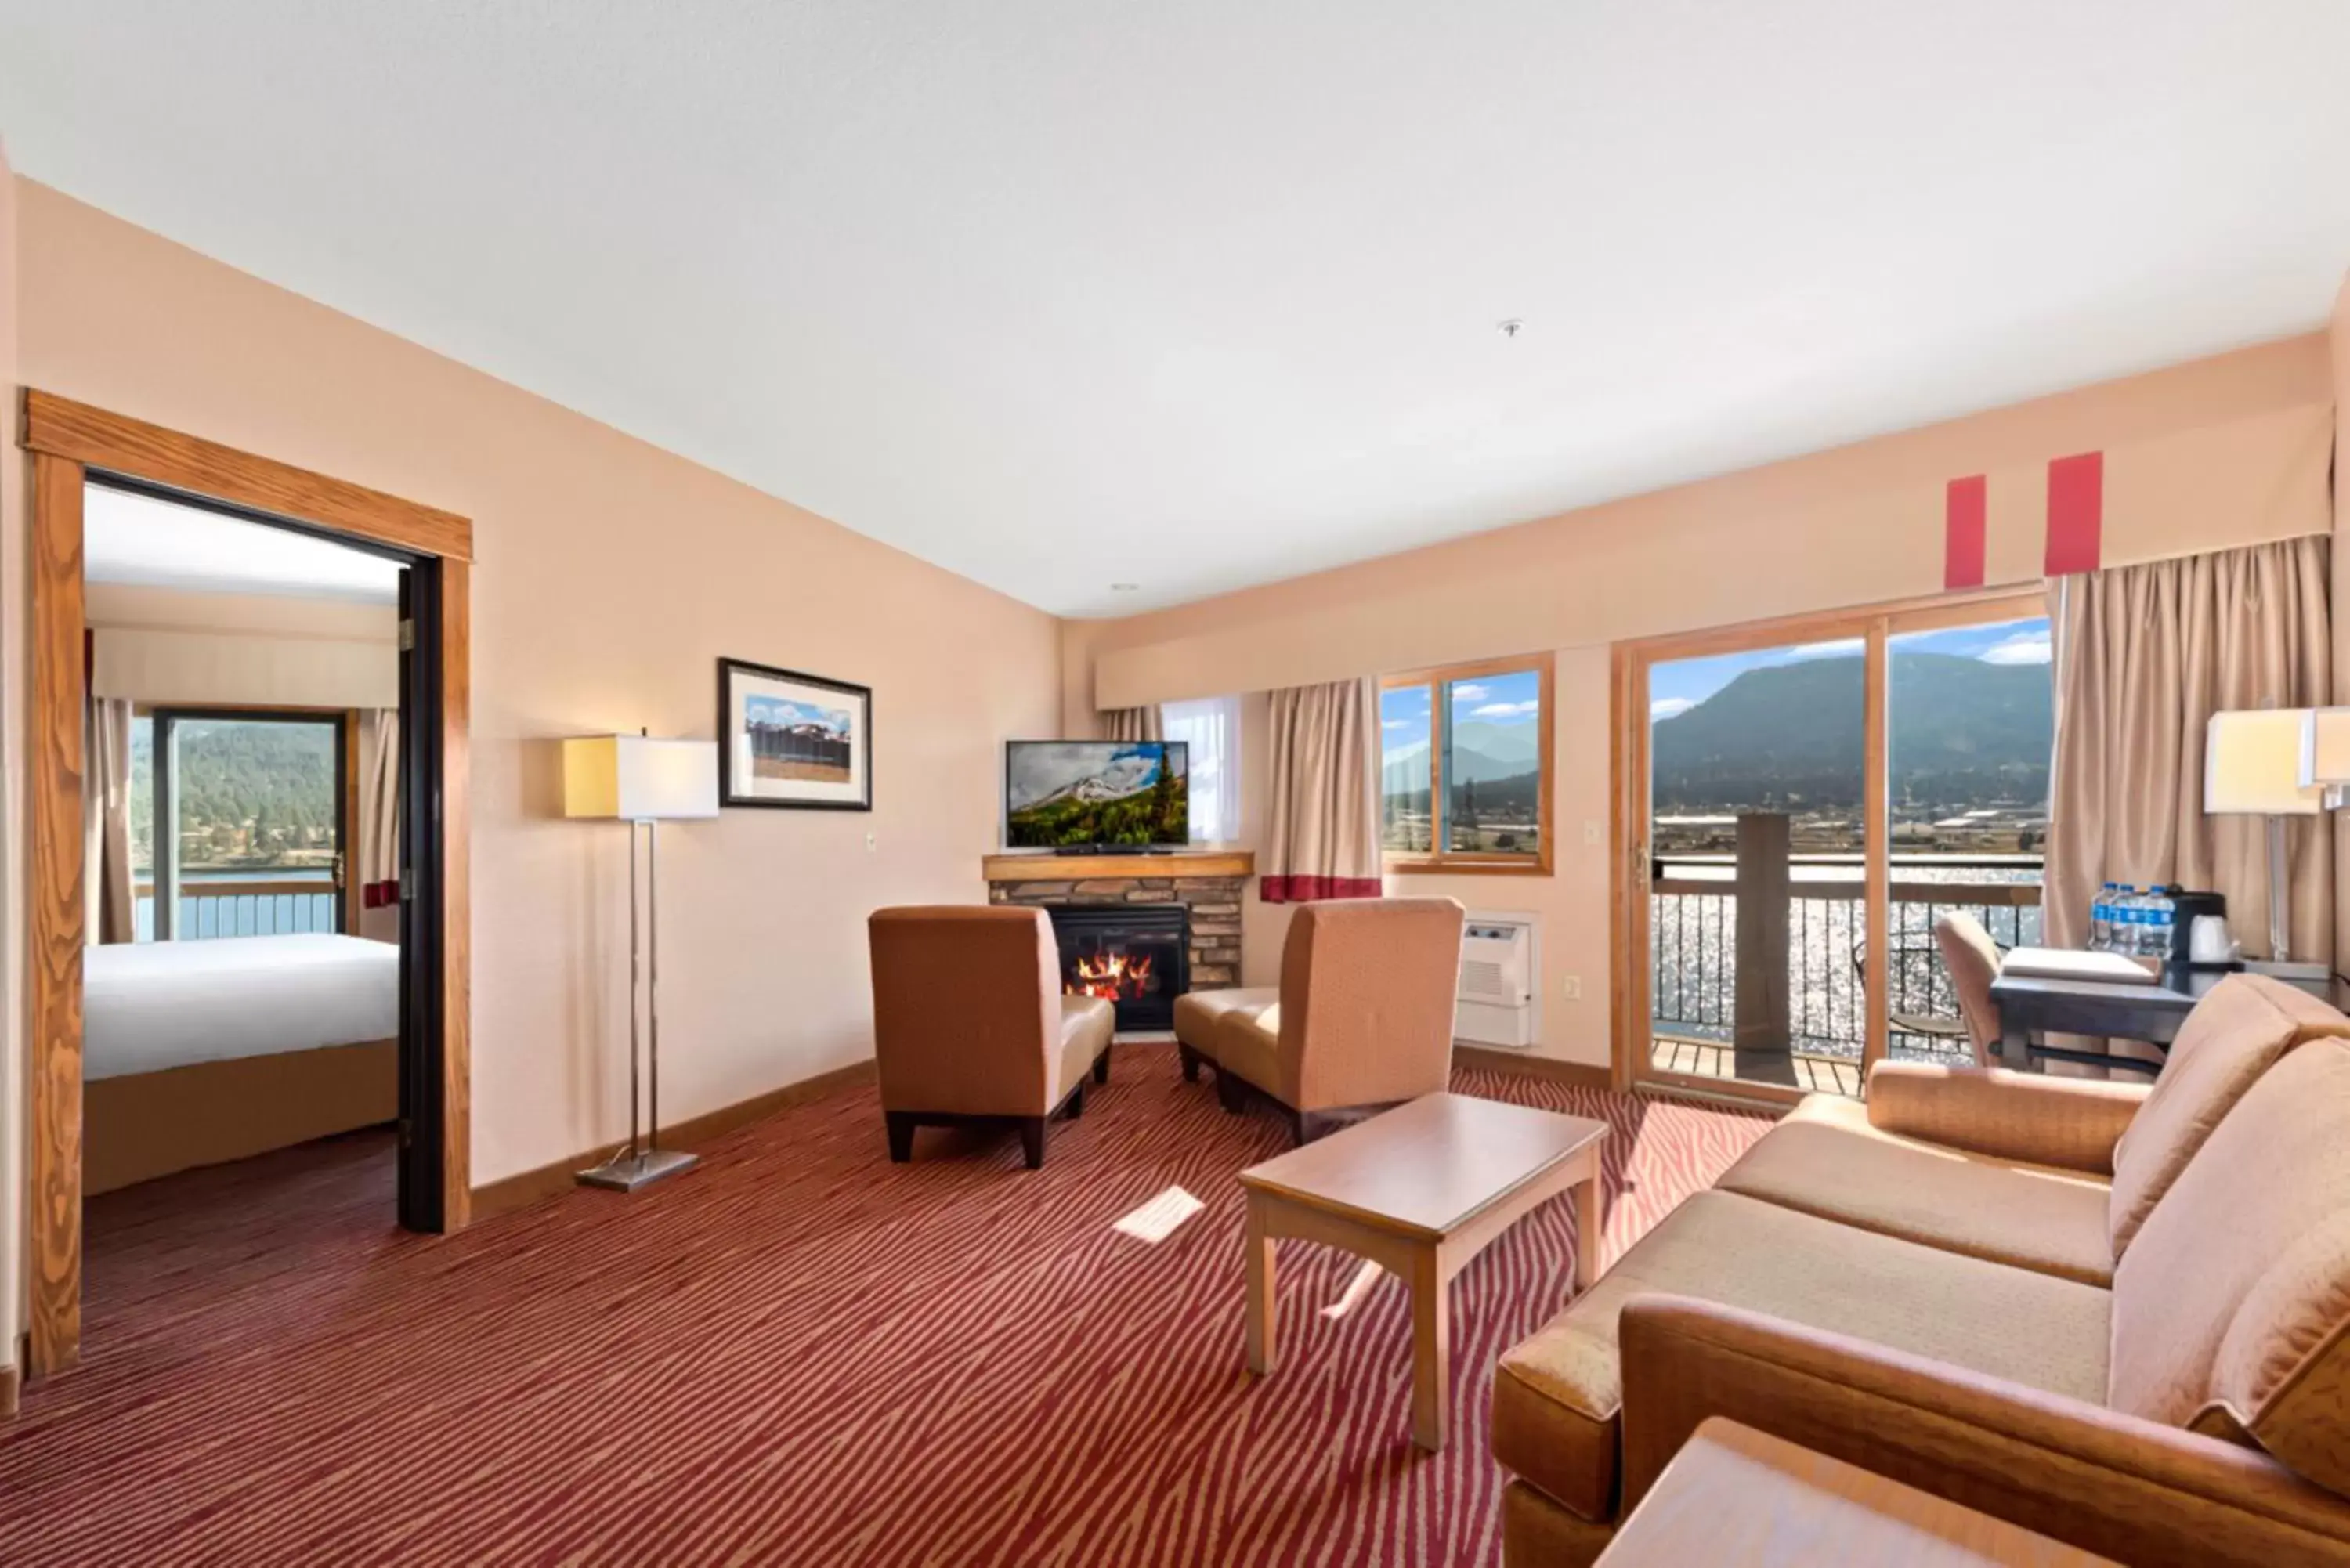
2077, 513
1307, 889
1964, 505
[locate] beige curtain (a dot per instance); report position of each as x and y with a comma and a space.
375, 875
1132, 724
106, 824
2145, 656
1322, 837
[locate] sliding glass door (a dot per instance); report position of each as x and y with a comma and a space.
239, 822
1805, 800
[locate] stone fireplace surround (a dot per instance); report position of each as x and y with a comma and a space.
1207, 885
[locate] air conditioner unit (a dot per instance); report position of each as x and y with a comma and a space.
1500, 959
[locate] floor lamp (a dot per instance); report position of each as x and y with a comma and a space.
2253, 765
635, 779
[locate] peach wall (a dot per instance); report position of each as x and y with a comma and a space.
13, 477
611, 576
2220, 452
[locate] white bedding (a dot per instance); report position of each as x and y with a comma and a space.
152, 1005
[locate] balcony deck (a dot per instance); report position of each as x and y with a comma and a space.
1711, 1059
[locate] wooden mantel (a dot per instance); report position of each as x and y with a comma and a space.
1103, 867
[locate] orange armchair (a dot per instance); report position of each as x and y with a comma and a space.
971, 1028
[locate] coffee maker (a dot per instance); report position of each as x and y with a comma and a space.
2190, 907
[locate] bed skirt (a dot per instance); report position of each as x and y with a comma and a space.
140, 1125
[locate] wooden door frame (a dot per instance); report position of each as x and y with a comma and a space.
69, 442
1630, 802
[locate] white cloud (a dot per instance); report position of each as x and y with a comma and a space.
1506, 709
1666, 707
2023, 647
1843, 648
1396, 725
1469, 691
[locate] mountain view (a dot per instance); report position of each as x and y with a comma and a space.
255, 794
1965, 733
1066, 793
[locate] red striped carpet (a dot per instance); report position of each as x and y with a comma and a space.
797, 1354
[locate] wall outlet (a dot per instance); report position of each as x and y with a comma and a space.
1573, 986
868, 843
1591, 834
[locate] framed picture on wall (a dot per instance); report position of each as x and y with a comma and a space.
786, 739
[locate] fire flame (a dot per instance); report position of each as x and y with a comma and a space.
1114, 976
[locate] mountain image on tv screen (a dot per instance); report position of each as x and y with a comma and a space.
1062, 792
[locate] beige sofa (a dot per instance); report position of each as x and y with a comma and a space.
1363, 1018
2116, 1314
971, 1027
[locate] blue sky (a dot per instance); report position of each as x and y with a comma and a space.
1513, 698
777, 711
1679, 686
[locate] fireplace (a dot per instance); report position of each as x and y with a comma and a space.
1137, 955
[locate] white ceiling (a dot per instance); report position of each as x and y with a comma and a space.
137, 539
1195, 295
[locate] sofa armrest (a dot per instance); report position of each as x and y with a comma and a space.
2110, 1483
2068, 1122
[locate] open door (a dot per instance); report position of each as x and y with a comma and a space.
423, 1109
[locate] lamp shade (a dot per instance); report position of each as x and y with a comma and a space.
637, 779
2252, 765
2326, 746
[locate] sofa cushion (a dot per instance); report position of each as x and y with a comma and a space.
1087, 1025
1557, 1395
2232, 1309
1827, 1159
1248, 1045
2235, 1034
1197, 1013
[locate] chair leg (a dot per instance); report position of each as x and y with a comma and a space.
1230, 1092
1076, 1101
1031, 1141
1101, 1068
1191, 1060
902, 1135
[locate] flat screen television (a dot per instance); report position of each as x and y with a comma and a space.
1095, 795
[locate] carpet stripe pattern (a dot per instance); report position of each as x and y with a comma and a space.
797, 1352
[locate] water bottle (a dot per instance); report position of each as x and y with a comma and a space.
2126, 918
2164, 925
2101, 920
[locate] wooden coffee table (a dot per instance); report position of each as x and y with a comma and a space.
1419, 1191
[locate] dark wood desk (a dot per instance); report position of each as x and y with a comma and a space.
2118, 1011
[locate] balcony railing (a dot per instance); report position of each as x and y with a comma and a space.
256, 908
1693, 951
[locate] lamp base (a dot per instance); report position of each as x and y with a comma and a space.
627, 1172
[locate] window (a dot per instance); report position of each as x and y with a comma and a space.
1211, 727
237, 823
1464, 768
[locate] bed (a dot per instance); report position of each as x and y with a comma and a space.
199, 1051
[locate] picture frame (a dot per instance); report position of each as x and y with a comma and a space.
791, 741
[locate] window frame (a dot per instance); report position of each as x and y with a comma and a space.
1437, 859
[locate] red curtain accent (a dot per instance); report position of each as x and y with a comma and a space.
379, 895
1305, 889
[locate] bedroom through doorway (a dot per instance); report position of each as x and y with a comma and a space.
239, 604
242, 988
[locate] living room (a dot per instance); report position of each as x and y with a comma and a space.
829, 438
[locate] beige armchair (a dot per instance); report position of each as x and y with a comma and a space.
1362, 1021
971, 1027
